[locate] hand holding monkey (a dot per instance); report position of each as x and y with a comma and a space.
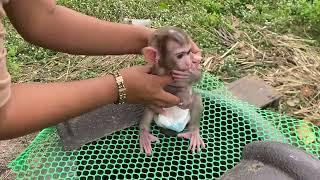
145, 88
189, 76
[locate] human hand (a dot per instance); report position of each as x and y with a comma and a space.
196, 55
145, 88
189, 76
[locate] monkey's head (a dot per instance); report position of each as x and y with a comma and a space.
169, 48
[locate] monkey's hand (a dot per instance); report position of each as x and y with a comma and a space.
146, 138
195, 139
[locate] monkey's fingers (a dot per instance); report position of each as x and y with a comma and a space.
186, 135
198, 143
142, 145
148, 148
153, 138
192, 144
202, 143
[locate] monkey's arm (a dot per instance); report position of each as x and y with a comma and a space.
146, 120
193, 133
195, 112
46, 24
146, 138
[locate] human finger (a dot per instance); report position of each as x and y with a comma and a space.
157, 104
168, 99
145, 68
180, 77
197, 58
194, 48
164, 80
156, 109
180, 72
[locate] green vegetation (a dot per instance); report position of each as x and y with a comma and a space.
212, 24
200, 18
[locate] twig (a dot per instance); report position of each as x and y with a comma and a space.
68, 68
207, 61
226, 53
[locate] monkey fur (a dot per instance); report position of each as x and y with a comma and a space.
169, 50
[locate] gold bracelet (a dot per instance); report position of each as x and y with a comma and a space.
121, 88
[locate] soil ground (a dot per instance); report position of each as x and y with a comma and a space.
9, 150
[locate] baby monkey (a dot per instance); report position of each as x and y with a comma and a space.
169, 50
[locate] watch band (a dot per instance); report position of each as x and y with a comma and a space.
121, 88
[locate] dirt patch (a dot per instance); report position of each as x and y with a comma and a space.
9, 150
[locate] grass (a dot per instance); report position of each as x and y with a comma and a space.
238, 37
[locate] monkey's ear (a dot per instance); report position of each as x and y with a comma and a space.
151, 54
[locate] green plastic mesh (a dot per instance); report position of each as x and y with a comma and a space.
227, 126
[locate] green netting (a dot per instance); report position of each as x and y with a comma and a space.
227, 126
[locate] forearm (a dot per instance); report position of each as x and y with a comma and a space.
59, 28
33, 106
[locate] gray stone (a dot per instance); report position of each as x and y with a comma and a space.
98, 123
266, 160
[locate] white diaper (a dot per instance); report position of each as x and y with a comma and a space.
175, 119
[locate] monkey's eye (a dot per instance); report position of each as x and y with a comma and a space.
189, 51
179, 56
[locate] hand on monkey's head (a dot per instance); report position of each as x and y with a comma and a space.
145, 88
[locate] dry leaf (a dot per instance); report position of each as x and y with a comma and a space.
250, 7
305, 133
314, 120
293, 102
308, 90
237, 34
241, 46
235, 21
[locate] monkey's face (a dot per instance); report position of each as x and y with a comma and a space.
179, 56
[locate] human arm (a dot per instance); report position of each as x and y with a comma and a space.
59, 28
34, 106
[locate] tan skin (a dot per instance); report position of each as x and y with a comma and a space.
34, 106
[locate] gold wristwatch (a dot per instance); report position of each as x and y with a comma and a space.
121, 88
